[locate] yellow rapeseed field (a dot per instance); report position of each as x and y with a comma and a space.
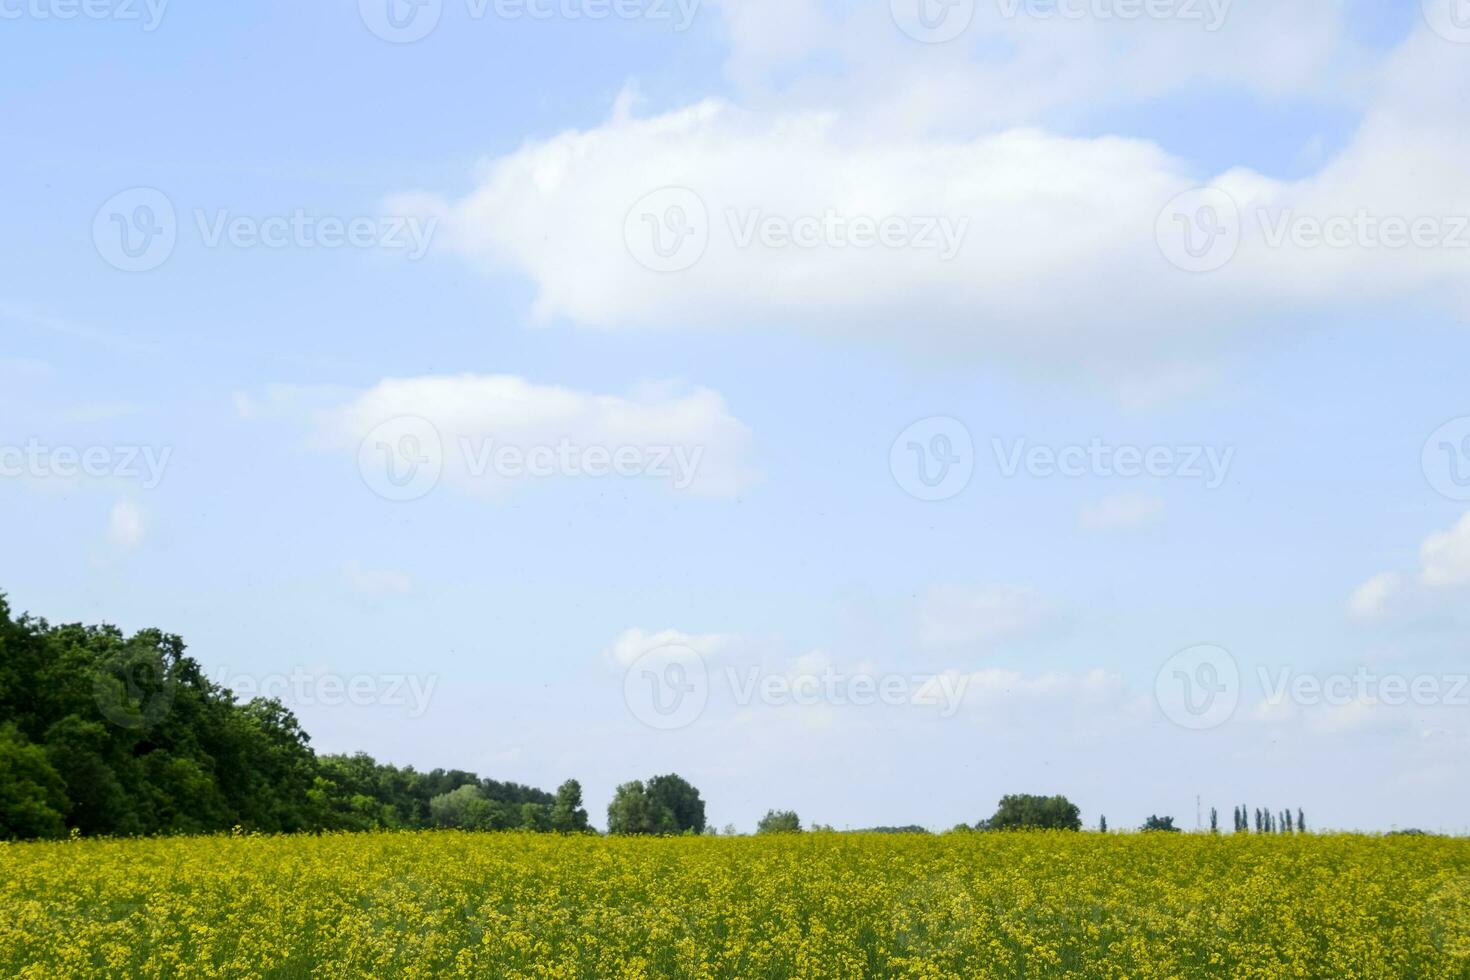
812, 905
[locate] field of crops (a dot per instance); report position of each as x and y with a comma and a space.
814, 905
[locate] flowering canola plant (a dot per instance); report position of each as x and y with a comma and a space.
801, 905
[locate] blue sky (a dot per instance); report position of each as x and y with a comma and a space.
532, 607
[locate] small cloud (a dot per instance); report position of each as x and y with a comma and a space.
1446, 557
1122, 512
125, 528
1444, 566
954, 616
633, 643
1369, 601
366, 581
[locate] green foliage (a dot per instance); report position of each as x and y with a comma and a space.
1026, 812
676, 795
567, 815
665, 805
111, 734
32, 794
1165, 824
779, 822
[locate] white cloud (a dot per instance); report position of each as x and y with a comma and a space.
634, 643
125, 527
1121, 512
1444, 567
1370, 601
376, 582
1081, 209
787, 49
990, 688
1060, 250
1446, 557
683, 439
955, 616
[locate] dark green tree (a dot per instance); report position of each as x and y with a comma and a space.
1156, 823
676, 795
779, 822
33, 799
567, 814
1027, 812
632, 812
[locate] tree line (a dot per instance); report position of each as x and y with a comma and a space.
107, 734
102, 733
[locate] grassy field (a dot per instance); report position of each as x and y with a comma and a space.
817, 905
